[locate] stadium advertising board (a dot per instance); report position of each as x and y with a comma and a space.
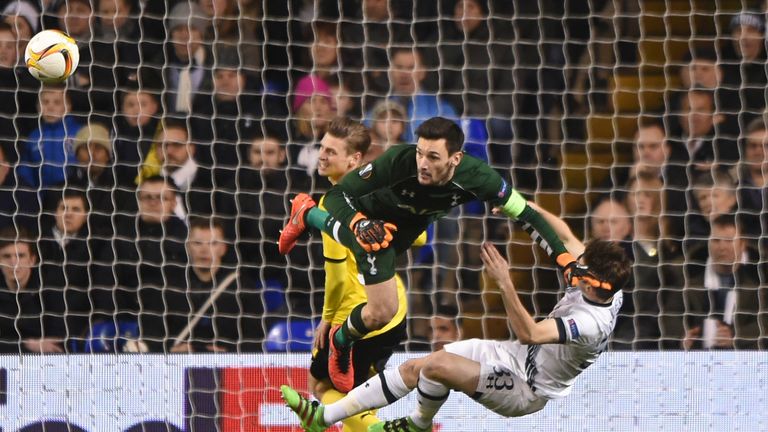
624, 391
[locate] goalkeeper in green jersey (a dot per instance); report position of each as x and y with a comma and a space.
378, 212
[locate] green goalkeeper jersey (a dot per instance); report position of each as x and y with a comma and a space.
388, 189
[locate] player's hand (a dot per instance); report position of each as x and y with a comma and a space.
43, 345
374, 234
321, 335
495, 265
692, 336
183, 347
723, 336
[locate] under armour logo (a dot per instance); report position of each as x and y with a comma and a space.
455, 200
408, 193
372, 261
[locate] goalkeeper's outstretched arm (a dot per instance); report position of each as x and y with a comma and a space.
563, 231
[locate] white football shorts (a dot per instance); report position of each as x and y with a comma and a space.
502, 387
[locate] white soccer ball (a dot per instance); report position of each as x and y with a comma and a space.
51, 56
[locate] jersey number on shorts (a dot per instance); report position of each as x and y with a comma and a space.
500, 379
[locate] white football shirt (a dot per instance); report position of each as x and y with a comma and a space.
585, 328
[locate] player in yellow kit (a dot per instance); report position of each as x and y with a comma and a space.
341, 151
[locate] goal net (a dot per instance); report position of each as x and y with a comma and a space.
141, 200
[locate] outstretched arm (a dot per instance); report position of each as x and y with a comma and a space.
538, 226
527, 330
563, 231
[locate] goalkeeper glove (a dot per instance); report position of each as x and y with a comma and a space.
372, 234
573, 272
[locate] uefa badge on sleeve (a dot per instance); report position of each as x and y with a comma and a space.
365, 172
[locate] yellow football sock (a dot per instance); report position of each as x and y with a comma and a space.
356, 423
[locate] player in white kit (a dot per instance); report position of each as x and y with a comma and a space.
511, 378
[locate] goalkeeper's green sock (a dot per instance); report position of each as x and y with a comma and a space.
353, 328
328, 224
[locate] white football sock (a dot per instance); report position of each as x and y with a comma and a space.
431, 395
381, 390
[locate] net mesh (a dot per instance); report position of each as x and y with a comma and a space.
635, 121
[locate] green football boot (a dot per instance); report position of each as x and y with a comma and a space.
310, 413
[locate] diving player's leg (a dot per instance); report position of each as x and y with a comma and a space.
437, 374
383, 389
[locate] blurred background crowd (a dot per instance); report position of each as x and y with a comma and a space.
166, 162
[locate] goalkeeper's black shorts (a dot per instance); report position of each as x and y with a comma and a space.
369, 356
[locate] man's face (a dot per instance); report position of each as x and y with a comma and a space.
610, 221
17, 261
389, 128
324, 50
468, 15
756, 149
701, 72
699, 115
93, 154
71, 215
376, 10
645, 198
723, 199
175, 149
444, 331
206, 247
186, 41
435, 166
139, 108
156, 202
649, 143
267, 154
725, 246
75, 18
9, 54
406, 73
704, 199
113, 13
748, 42
334, 160
22, 28
228, 84
53, 105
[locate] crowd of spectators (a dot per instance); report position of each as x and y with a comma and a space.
161, 170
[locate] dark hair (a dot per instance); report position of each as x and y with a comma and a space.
609, 263
646, 122
755, 125
324, 28
615, 198
7, 27
357, 136
725, 220
161, 179
76, 194
448, 311
11, 235
175, 122
706, 53
198, 222
441, 128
